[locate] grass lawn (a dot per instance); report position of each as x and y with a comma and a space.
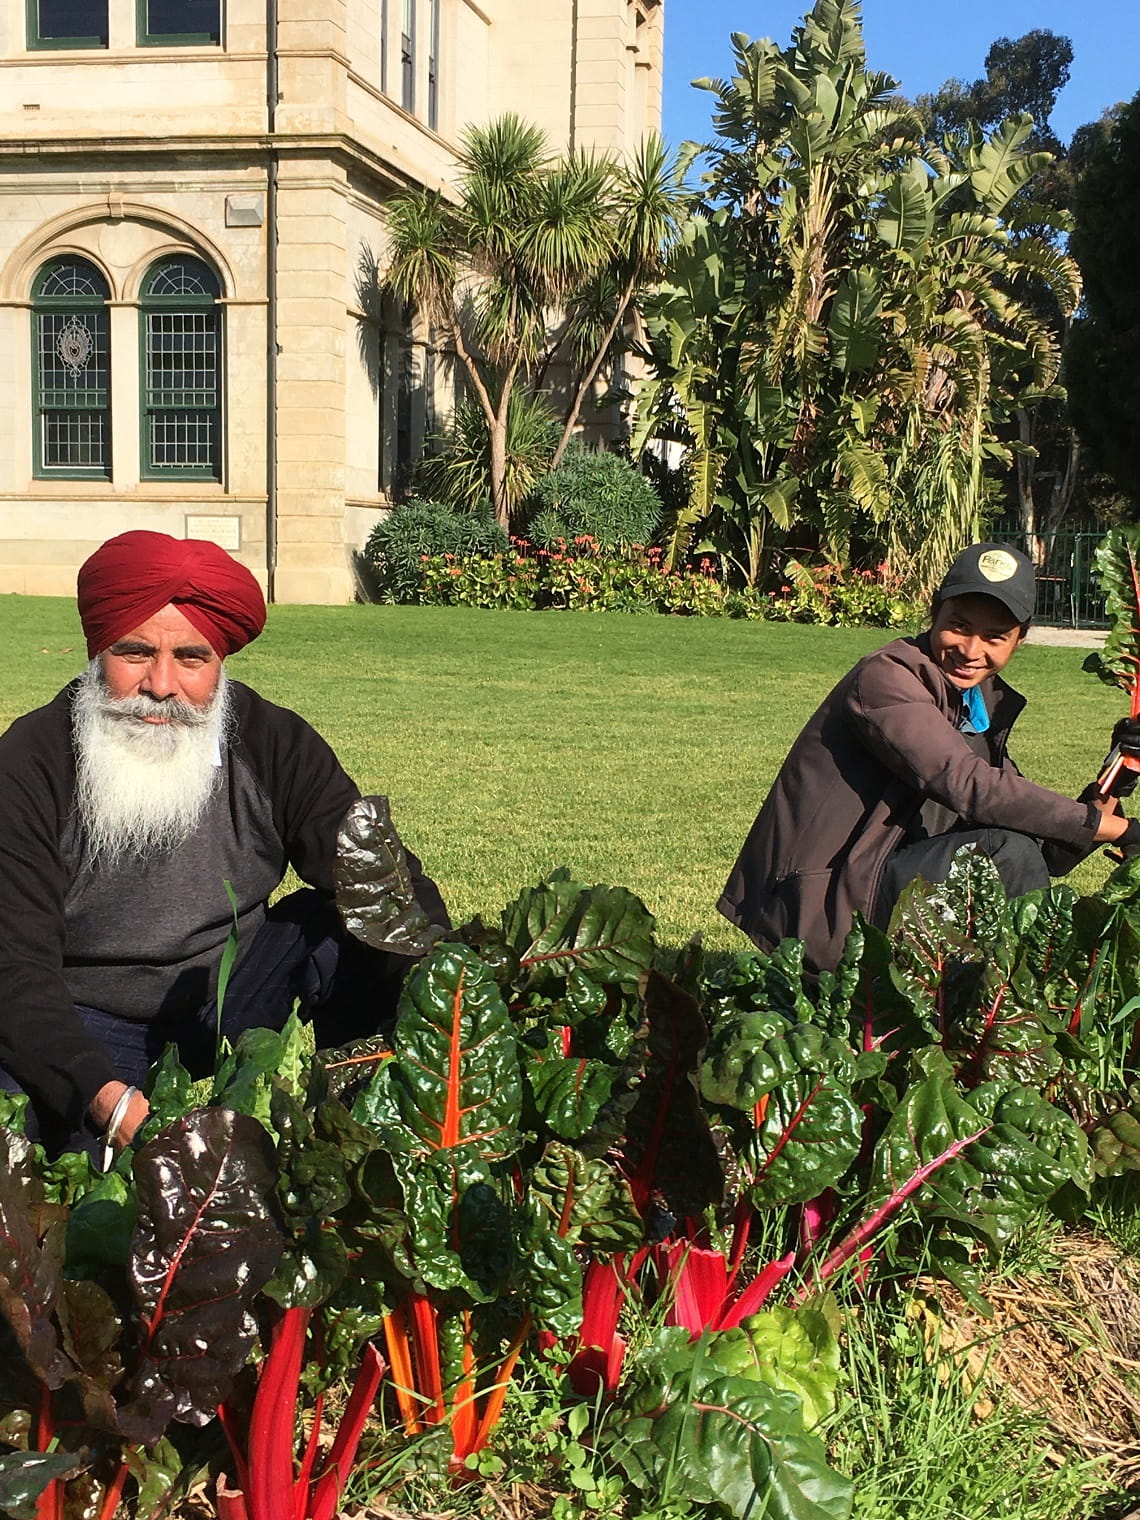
634, 749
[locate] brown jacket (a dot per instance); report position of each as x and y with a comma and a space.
852, 790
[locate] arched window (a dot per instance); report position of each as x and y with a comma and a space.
181, 380
72, 360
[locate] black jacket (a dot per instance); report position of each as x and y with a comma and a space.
144, 940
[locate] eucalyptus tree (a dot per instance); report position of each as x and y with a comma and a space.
833, 339
535, 259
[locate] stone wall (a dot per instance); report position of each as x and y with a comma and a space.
124, 154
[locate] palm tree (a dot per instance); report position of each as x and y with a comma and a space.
517, 269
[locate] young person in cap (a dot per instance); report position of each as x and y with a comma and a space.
904, 764
125, 805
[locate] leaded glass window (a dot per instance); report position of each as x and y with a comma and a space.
72, 359
181, 382
171, 23
67, 23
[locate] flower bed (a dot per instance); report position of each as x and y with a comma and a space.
578, 576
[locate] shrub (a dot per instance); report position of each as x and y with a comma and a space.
581, 577
399, 543
841, 597
460, 472
596, 495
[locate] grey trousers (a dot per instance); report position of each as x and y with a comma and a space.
1017, 857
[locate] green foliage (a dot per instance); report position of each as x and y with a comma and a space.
459, 470
593, 495
916, 1432
1101, 356
1117, 560
844, 326
537, 257
537, 1115
399, 543
580, 577
694, 1432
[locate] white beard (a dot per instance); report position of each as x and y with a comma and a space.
142, 788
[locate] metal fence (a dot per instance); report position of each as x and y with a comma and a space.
1067, 593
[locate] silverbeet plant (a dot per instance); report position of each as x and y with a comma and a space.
100, 1353
553, 1128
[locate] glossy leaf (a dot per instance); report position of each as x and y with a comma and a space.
809, 1136
207, 1240
585, 1201
726, 1440
24, 1475
561, 925
790, 1348
374, 890
30, 1275
453, 1080
570, 1092
1117, 564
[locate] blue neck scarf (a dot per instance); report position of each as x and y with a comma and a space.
976, 712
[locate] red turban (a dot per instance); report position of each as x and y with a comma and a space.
133, 576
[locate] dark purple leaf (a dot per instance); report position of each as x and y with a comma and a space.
206, 1242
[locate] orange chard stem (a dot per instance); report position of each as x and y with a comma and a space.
403, 1379
464, 1424
493, 1408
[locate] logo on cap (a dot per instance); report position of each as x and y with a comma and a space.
997, 565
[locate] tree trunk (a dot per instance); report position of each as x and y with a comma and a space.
497, 432
591, 372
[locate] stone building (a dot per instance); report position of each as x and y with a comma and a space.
191, 220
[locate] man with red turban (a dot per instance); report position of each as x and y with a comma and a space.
130, 807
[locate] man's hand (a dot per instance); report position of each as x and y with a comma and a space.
102, 1106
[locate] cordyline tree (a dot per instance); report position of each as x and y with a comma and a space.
537, 258
842, 325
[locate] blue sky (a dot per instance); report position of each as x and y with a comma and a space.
918, 42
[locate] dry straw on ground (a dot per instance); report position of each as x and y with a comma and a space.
1067, 1348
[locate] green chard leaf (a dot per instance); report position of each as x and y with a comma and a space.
561, 925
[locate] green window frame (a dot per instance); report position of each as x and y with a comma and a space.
67, 24
179, 23
71, 368
180, 334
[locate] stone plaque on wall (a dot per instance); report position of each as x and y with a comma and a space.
223, 531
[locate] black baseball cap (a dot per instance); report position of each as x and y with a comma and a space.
992, 570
